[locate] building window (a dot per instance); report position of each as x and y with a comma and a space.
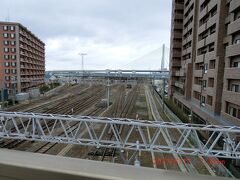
210, 82
6, 50
211, 47
13, 57
13, 71
5, 35
212, 64
236, 64
232, 111
7, 78
13, 43
12, 28
213, 29
236, 15
13, 64
5, 42
196, 95
6, 64
209, 100
5, 28
12, 35
6, 57
13, 50
7, 85
237, 41
235, 88
7, 71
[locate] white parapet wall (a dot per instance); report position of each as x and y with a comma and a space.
18, 165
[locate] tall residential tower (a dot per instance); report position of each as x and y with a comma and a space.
205, 60
22, 58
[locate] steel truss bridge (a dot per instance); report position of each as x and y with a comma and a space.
156, 74
92, 131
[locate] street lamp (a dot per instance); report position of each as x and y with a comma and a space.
82, 54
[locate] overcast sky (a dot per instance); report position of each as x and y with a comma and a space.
113, 33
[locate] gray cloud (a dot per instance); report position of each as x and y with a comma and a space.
112, 32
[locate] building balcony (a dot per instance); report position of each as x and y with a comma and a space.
25, 80
178, 6
232, 73
211, 5
233, 27
189, 27
213, 20
177, 44
210, 55
230, 118
179, 84
234, 4
177, 73
233, 50
178, 16
186, 40
178, 26
228, 19
202, 28
176, 54
177, 34
200, 58
203, 13
176, 63
180, 73
189, 5
197, 87
201, 43
188, 17
210, 91
198, 73
189, 50
211, 73
211, 38
232, 97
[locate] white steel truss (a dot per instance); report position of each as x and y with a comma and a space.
221, 141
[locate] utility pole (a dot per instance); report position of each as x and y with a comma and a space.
163, 57
163, 93
108, 92
83, 54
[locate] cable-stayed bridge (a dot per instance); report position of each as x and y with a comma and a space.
153, 65
157, 59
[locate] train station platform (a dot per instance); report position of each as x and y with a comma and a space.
18, 165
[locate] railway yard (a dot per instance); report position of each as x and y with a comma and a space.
136, 102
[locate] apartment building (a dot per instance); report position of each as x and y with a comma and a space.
206, 82
231, 81
176, 47
22, 58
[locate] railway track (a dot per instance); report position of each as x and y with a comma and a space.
44, 148
197, 164
121, 108
34, 107
176, 158
66, 106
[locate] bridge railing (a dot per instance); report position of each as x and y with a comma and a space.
94, 131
